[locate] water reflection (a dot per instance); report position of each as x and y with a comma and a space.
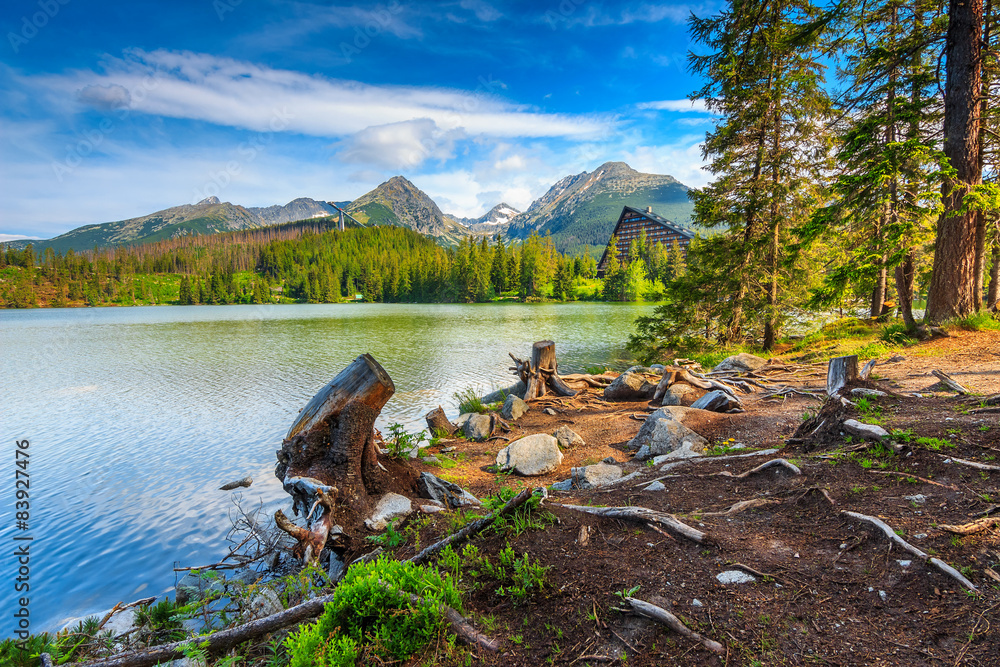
137, 415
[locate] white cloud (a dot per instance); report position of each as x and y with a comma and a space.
596, 16
400, 145
17, 237
484, 11
696, 106
245, 95
105, 97
681, 159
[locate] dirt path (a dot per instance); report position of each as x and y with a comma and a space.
836, 592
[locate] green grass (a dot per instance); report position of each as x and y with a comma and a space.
469, 401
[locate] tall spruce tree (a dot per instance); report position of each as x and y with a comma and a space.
765, 82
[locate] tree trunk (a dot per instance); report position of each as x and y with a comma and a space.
953, 281
330, 450
541, 374
904, 289
993, 293
841, 371
437, 422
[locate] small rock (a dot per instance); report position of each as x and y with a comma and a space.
513, 408
550, 412
462, 418
516, 389
448, 494
567, 437
883, 595
666, 436
866, 431
676, 393
531, 456
240, 483
430, 459
265, 602
193, 587
657, 368
741, 362
337, 568
655, 486
904, 563
432, 509
565, 485
696, 603
610, 460
920, 536
735, 577
390, 506
629, 386
865, 391
596, 475
477, 427
717, 401
445, 450
919, 499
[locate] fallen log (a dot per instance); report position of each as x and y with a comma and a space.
642, 514
949, 382
541, 373
745, 505
663, 616
906, 546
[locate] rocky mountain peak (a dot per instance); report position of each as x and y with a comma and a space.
207, 201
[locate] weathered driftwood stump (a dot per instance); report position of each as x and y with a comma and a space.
841, 371
329, 460
541, 373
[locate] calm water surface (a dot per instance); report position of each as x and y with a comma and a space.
137, 415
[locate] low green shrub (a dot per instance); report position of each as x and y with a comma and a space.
371, 612
468, 401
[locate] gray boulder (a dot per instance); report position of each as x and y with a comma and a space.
567, 437
660, 435
449, 494
717, 401
477, 427
513, 408
390, 506
531, 456
516, 389
648, 370
865, 391
866, 431
193, 587
741, 362
629, 386
265, 602
595, 475
676, 393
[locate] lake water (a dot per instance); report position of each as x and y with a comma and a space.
135, 417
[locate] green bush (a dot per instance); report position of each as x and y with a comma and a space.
401, 443
370, 607
468, 401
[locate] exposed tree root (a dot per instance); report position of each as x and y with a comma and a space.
949, 382
791, 467
458, 623
745, 505
973, 527
936, 562
642, 514
665, 617
907, 475
473, 528
971, 464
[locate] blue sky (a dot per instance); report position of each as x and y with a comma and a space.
115, 110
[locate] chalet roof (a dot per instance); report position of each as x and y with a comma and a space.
672, 226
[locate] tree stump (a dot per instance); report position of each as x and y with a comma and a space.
841, 371
437, 422
329, 459
541, 374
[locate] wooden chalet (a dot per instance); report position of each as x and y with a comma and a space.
658, 230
